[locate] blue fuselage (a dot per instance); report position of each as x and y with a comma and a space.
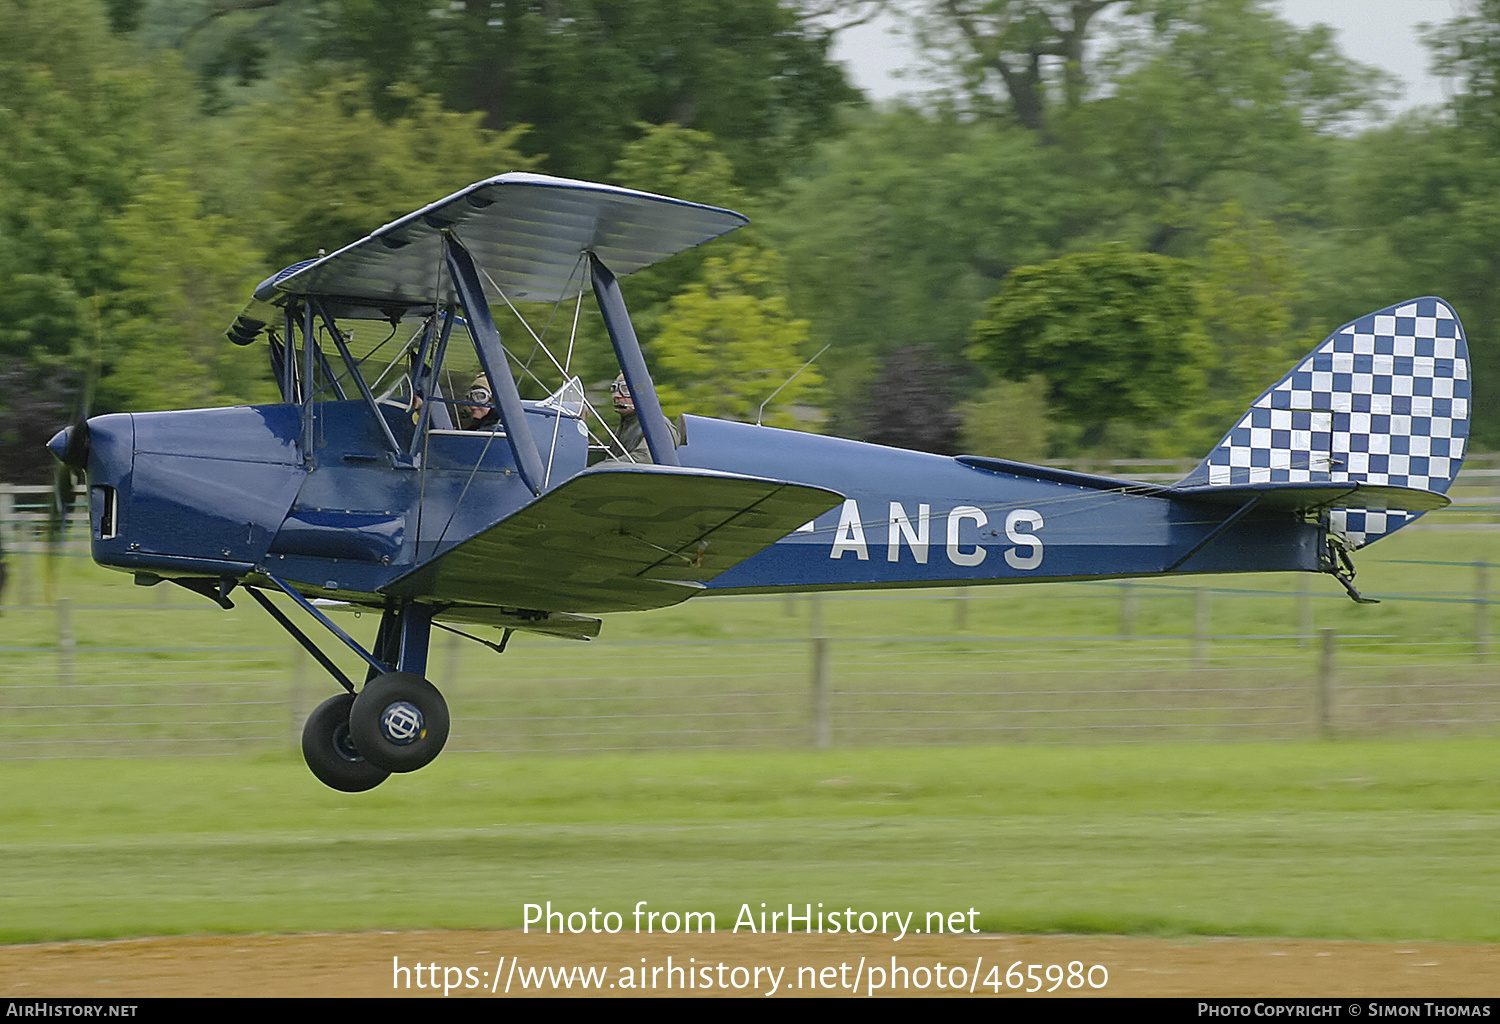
915, 519
238, 491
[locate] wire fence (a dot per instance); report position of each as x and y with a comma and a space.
109, 670
119, 671
25, 509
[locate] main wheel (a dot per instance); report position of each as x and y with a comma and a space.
332, 755
399, 721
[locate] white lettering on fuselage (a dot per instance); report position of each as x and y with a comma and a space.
1021, 527
1013, 522
851, 533
957, 555
901, 528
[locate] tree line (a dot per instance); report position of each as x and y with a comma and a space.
1101, 227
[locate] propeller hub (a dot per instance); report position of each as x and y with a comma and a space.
71, 446
59, 443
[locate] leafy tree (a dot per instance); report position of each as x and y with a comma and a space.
1009, 420
1422, 210
907, 223
71, 144
183, 276
728, 341
685, 164
124, 15
1250, 287
1468, 48
334, 170
234, 49
901, 230
1418, 210
583, 73
1022, 57
1116, 335
911, 403
1217, 100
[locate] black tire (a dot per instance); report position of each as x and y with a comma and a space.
399, 722
330, 753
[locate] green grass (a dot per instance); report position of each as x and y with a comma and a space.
1391, 838
162, 670
1368, 840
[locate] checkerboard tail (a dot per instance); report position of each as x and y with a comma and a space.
1383, 400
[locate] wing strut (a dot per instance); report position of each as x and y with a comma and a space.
492, 356
628, 349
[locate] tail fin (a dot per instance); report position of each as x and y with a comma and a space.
1384, 401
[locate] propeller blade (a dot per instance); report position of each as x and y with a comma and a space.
63, 479
71, 448
57, 523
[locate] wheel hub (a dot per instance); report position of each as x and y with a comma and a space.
401, 723
344, 746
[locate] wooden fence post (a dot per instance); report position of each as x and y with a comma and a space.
1323, 699
822, 700
66, 643
1305, 612
1201, 622
7, 517
1481, 611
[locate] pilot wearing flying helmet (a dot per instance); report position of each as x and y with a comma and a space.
629, 443
481, 414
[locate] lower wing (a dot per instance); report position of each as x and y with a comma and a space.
618, 538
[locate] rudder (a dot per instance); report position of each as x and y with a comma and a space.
1383, 400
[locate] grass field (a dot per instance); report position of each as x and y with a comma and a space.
1392, 838
123, 670
1425, 578
1382, 840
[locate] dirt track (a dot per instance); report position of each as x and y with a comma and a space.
362, 965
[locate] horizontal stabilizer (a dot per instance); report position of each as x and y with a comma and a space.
618, 538
1314, 497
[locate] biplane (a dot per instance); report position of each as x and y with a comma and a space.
373, 484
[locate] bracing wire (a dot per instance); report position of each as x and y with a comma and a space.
562, 368
1054, 506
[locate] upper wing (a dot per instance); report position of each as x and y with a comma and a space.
618, 538
527, 231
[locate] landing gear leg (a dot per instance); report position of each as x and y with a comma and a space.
397, 723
